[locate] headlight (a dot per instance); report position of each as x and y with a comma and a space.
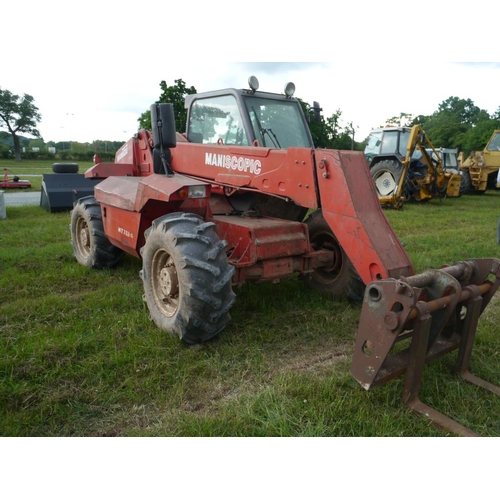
197, 192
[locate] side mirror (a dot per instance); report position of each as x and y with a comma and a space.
163, 125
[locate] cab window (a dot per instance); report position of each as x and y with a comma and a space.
390, 143
277, 123
216, 118
494, 144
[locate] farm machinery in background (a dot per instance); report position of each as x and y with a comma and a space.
243, 195
481, 169
405, 165
14, 183
63, 187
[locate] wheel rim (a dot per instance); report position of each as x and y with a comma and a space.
385, 183
328, 274
83, 237
165, 283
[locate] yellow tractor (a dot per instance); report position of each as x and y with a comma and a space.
402, 168
480, 169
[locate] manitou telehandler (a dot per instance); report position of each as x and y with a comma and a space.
225, 202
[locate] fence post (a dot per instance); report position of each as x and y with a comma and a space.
3, 212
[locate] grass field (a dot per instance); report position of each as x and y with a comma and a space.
79, 356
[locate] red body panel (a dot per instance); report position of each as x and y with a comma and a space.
351, 208
287, 173
263, 249
129, 205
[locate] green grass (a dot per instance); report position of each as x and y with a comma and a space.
79, 356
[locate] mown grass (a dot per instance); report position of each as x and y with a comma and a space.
79, 356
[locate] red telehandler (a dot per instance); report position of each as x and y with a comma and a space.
244, 195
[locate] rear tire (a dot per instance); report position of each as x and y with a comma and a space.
187, 277
386, 175
90, 244
341, 279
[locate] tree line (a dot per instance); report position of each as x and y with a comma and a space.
457, 123
38, 149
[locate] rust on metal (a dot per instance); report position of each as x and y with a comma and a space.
435, 313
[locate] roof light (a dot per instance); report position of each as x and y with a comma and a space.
289, 89
253, 83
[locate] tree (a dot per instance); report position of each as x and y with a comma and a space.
496, 117
325, 133
403, 120
19, 115
459, 123
317, 128
174, 95
462, 110
333, 128
350, 131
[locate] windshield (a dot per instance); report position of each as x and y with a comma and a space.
277, 124
389, 142
373, 146
494, 144
449, 160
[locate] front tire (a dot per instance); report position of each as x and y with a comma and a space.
339, 279
91, 247
187, 277
466, 183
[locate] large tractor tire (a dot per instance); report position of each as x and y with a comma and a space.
187, 277
466, 183
386, 175
340, 279
90, 244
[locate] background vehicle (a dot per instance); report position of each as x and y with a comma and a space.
63, 187
402, 167
14, 183
225, 203
480, 169
451, 162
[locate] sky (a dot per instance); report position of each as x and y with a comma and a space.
93, 67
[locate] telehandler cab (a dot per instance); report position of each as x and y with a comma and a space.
225, 203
